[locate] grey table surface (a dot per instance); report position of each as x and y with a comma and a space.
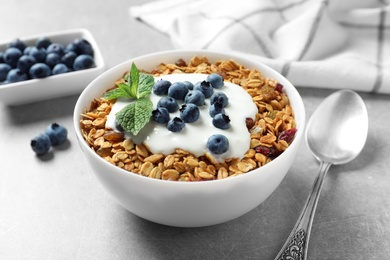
54, 208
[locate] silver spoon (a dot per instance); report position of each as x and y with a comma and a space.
336, 134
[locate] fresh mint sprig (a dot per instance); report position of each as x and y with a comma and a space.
136, 86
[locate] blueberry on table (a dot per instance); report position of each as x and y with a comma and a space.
83, 61
169, 103
175, 124
41, 144
39, 70
204, 87
4, 69
221, 121
43, 42
25, 62
160, 115
215, 80
12, 55
189, 113
16, 75
219, 97
178, 90
218, 144
60, 68
161, 87
195, 97
57, 134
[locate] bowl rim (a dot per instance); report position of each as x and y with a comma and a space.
232, 55
99, 61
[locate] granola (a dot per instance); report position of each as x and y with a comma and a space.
274, 121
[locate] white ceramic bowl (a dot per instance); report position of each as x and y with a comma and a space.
188, 204
74, 82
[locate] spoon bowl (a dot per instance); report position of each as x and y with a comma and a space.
336, 129
336, 134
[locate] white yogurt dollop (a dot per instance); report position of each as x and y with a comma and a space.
193, 138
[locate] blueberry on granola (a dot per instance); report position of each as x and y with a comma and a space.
221, 121
175, 124
160, 115
220, 97
216, 108
195, 97
189, 113
161, 87
169, 103
204, 87
178, 90
218, 144
215, 80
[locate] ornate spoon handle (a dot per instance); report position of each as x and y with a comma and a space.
297, 243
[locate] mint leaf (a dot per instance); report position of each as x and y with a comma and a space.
133, 80
122, 90
135, 115
145, 85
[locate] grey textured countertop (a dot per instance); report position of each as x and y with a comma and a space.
54, 208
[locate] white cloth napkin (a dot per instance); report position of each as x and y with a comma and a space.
328, 44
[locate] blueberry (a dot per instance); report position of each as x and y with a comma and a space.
2, 57
15, 75
4, 69
215, 80
118, 126
83, 61
39, 70
220, 97
215, 109
25, 62
218, 144
70, 47
161, 87
52, 59
175, 124
43, 42
178, 90
169, 103
195, 97
38, 54
27, 50
160, 115
11, 56
57, 134
59, 69
17, 43
189, 113
41, 144
56, 48
189, 85
221, 121
204, 87
69, 58
82, 46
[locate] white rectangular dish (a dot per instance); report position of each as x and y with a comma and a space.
55, 86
